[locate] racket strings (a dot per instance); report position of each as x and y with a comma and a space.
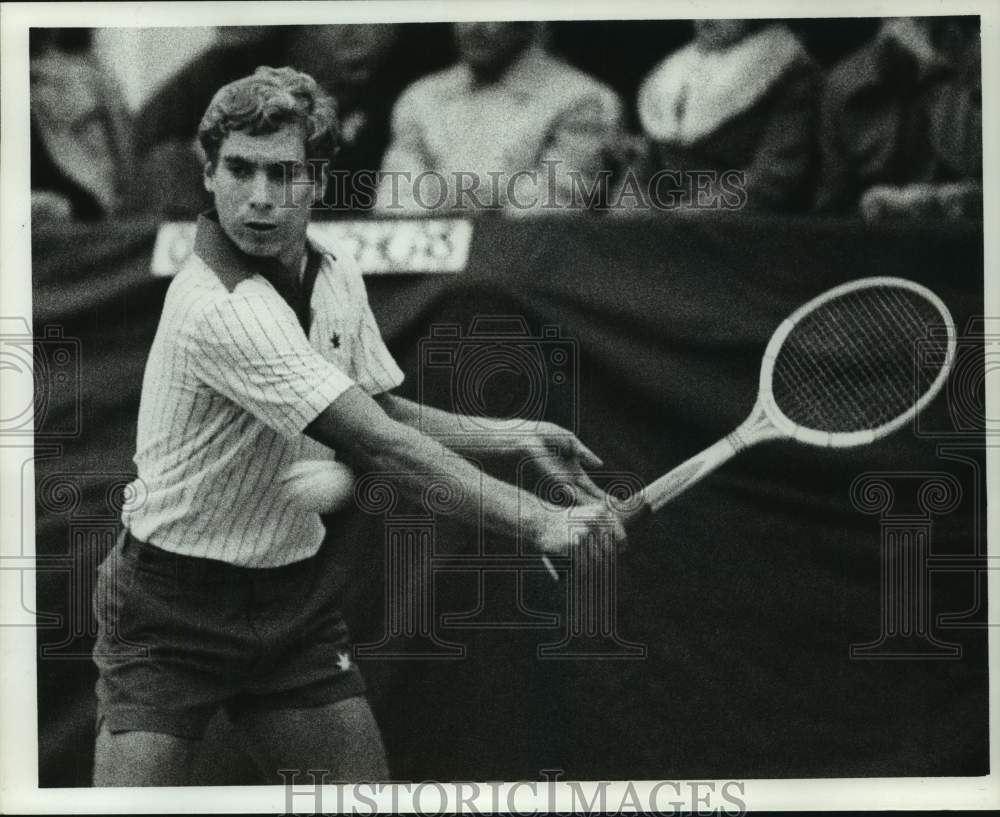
851, 364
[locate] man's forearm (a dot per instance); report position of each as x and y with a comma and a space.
498, 506
370, 440
452, 430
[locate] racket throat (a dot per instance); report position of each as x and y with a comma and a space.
688, 473
754, 429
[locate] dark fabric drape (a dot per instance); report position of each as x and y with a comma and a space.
747, 592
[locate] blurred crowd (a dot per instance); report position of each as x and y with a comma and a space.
524, 118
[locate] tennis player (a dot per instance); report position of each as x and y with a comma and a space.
267, 352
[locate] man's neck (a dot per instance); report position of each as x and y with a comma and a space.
487, 75
293, 261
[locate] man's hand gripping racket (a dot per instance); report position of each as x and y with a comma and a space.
840, 371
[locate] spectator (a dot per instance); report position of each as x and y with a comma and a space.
739, 97
349, 62
81, 140
170, 166
956, 126
173, 112
901, 126
510, 123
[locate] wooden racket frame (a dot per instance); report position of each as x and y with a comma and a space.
766, 420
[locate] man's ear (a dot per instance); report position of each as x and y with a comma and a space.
209, 177
319, 191
317, 179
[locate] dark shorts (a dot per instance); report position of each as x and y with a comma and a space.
179, 637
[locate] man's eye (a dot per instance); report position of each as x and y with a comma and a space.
295, 170
240, 171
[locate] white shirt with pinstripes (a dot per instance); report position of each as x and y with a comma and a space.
230, 384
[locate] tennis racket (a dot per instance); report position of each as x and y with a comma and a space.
842, 370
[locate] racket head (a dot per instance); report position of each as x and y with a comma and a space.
893, 313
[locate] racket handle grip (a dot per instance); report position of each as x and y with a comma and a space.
691, 472
634, 517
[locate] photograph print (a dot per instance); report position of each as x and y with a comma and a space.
503, 399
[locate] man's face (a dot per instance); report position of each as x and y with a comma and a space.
490, 47
262, 192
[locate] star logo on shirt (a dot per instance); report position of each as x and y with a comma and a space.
343, 661
335, 340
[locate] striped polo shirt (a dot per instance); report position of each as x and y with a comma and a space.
231, 382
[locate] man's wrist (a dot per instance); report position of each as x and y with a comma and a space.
542, 526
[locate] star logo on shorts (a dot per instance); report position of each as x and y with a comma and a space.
343, 661
335, 341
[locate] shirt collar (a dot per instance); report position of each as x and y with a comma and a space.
232, 265
521, 75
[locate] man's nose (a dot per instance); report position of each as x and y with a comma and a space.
262, 192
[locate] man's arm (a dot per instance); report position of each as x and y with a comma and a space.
575, 151
405, 158
835, 183
782, 163
480, 434
553, 450
368, 439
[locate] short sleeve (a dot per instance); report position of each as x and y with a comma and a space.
375, 369
251, 349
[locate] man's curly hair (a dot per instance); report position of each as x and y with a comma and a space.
265, 101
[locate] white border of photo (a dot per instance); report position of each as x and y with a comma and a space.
19, 793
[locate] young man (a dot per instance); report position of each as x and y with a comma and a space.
265, 341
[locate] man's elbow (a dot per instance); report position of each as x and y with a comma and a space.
360, 430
